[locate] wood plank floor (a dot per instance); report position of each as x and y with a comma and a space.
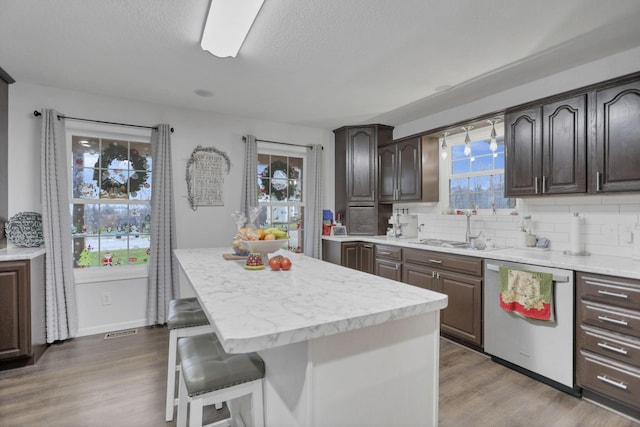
94, 382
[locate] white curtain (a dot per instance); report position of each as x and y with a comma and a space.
163, 283
313, 203
249, 195
60, 297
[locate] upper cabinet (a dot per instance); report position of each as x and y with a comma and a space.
408, 171
546, 148
617, 148
587, 141
356, 177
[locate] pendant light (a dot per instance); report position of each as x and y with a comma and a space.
493, 145
444, 153
467, 141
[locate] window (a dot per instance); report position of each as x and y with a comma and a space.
477, 179
110, 201
280, 194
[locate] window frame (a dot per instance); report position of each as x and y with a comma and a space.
273, 149
476, 134
97, 130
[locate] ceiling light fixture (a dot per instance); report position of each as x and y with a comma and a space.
227, 25
493, 145
467, 141
444, 146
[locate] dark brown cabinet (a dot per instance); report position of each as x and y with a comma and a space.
408, 171
617, 149
22, 324
460, 278
546, 149
356, 255
608, 340
356, 178
15, 337
388, 262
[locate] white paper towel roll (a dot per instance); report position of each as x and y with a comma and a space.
575, 236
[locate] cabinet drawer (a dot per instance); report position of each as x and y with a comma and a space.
609, 290
610, 318
456, 263
619, 382
619, 347
389, 252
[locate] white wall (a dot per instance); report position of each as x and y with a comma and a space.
610, 67
208, 226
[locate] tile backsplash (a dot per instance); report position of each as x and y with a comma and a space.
607, 229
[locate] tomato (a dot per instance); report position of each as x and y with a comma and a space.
274, 263
285, 264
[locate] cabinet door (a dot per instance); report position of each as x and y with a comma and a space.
409, 170
421, 276
361, 165
564, 149
388, 269
362, 220
523, 152
332, 252
463, 316
618, 139
387, 173
366, 258
15, 325
350, 255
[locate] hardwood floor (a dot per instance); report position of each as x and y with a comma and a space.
94, 382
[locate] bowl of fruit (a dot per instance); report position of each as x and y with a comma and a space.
262, 241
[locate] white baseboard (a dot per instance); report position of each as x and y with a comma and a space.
94, 330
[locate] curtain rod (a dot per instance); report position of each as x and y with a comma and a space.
244, 139
60, 116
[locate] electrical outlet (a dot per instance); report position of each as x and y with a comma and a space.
106, 298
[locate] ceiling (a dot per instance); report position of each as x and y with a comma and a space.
308, 62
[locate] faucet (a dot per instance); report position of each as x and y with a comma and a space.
468, 236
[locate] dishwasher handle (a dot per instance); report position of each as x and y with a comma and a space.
558, 278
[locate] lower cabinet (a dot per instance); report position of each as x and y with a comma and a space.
356, 255
608, 340
457, 276
22, 312
388, 262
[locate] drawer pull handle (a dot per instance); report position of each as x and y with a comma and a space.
616, 321
612, 348
613, 294
614, 383
384, 253
437, 261
367, 246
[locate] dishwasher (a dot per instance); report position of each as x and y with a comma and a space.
541, 350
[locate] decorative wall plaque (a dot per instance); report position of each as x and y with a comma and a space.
205, 176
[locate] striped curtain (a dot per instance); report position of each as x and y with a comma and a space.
60, 296
163, 283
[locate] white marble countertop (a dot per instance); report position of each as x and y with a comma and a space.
599, 264
254, 310
18, 254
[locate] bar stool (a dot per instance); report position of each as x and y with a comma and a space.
209, 376
186, 318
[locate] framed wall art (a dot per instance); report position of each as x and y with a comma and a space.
206, 169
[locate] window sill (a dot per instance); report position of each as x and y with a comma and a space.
110, 274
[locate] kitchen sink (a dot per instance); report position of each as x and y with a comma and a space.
441, 243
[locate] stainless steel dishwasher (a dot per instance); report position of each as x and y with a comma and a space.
542, 350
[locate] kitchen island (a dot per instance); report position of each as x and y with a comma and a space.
341, 347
